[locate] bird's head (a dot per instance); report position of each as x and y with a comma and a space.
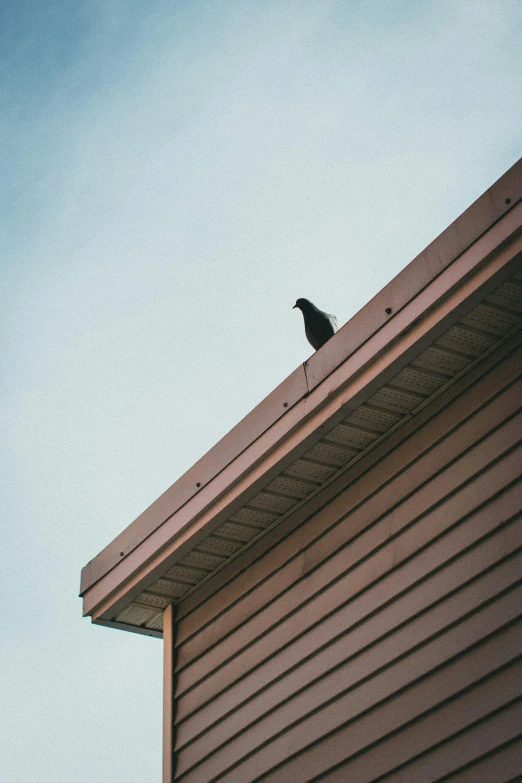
303, 305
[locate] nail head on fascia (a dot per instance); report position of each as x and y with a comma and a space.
198, 483
388, 311
285, 405
507, 200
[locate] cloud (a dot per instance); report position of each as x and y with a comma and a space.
177, 174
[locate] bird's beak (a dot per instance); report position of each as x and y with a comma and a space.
293, 308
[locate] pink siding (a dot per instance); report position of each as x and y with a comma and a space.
376, 633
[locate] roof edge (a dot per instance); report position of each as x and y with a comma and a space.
478, 271
499, 199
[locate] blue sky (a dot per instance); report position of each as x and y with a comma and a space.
175, 175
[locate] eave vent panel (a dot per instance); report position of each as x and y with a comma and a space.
431, 370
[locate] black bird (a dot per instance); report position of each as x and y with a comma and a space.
319, 326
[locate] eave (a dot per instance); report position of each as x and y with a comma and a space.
389, 361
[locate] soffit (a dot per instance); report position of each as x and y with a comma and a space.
454, 353
191, 489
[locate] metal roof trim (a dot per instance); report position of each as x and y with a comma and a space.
441, 253
442, 303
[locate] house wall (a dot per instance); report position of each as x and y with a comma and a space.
376, 632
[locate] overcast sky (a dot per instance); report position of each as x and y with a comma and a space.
174, 175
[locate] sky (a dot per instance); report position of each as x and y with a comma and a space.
174, 176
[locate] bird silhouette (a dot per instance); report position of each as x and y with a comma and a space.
319, 326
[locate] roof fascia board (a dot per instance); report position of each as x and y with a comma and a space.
476, 220
441, 303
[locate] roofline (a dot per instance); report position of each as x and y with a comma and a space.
202, 485
477, 272
438, 307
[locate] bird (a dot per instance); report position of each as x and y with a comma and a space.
319, 326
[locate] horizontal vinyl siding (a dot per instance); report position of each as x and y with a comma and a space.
382, 634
